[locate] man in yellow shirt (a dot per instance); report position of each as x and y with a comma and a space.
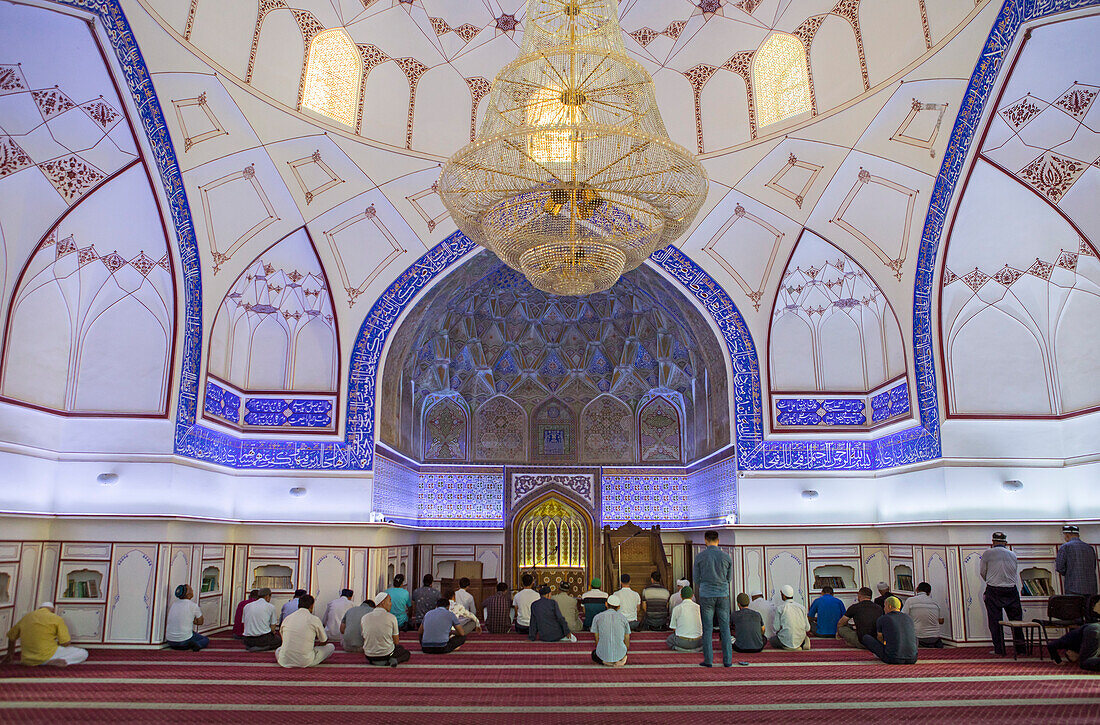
45, 640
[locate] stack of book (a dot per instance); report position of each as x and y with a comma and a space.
1037, 587
904, 583
836, 582
209, 584
82, 589
272, 582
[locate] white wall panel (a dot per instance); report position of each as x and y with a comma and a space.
130, 599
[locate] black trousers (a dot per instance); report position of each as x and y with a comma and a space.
1008, 600
456, 641
267, 641
399, 653
1090, 648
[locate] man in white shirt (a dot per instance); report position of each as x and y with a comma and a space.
463, 597
677, 597
304, 638
466, 618
792, 626
925, 614
629, 601
522, 603
767, 612
292, 606
183, 615
381, 634
687, 624
261, 624
1000, 572
334, 613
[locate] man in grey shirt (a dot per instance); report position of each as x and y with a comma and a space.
1077, 563
351, 628
712, 572
1000, 573
748, 626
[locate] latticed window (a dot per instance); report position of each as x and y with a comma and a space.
333, 74
780, 79
553, 534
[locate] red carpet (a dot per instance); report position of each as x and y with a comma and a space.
508, 679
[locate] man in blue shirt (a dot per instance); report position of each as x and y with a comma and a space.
1077, 563
401, 600
825, 612
436, 636
712, 572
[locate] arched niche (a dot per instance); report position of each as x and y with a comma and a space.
508, 350
445, 430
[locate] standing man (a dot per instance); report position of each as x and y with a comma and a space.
304, 638
183, 615
424, 599
400, 601
825, 612
334, 613
612, 633
1000, 573
381, 635
926, 615
1077, 563
45, 638
261, 623
712, 573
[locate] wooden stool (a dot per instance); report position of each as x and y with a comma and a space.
1032, 636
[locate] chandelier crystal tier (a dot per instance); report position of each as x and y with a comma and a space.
572, 179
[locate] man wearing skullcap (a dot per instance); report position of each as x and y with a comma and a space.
896, 643
676, 597
1000, 572
792, 627
1077, 563
45, 640
570, 608
334, 613
612, 633
687, 625
381, 635
594, 601
183, 615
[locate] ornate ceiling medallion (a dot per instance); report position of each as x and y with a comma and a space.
572, 179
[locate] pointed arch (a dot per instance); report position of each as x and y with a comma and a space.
553, 433
333, 75
607, 431
445, 429
780, 79
661, 428
501, 430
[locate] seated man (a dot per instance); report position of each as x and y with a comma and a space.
883, 593
896, 643
424, 599
926, 616
655, 604
612, 633
594, 601
792, 627
569, 607
825, 612
45, 640
522, 602
440, 631
498, 610
747, 626
401, 601
687, 624
351, 629
238, 615
463, 596
292, 606
466, 618
381, 634
183, 615
676, 597
1089, 656
334, 613
261, 624
766, 609
859, 619
547, 622
629, 602
304, 638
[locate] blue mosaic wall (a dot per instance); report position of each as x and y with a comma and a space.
461, 499
913, 445
714, 492
395, 491
823, 411
645, 498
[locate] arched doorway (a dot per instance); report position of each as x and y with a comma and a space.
552, 539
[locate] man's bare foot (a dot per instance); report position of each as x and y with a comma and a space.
57, 663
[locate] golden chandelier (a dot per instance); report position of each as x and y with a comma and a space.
572, 179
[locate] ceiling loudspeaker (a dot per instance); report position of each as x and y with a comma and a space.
1012, 485
298, 491
809, 494
107, 479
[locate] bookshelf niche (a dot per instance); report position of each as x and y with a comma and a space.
837, 576
5, 582
83, 584
211, 580
1036, 582
903, 578
275, 577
